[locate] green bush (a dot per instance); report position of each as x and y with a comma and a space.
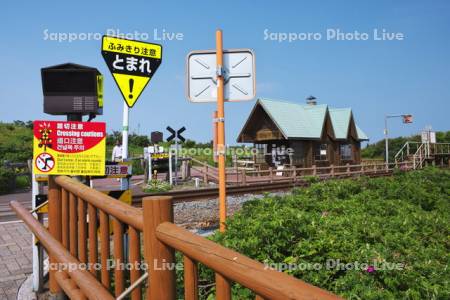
16, 142
156, 186
403, 219
6, 180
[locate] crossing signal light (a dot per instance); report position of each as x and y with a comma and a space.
72, 89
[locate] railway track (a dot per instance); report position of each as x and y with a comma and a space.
6, 214
211, 193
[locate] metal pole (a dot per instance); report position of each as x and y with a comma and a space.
221, 131
150, 170
38, 257
170, 167
176, 161
124, 182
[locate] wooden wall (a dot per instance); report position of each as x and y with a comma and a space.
260, 128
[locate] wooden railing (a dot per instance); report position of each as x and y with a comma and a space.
79, 233
292, 173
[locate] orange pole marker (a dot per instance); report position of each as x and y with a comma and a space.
221, 132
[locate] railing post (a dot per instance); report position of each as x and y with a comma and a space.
332, 170
314, 170
244, 178
190, 279
294, 174
348, 169
159, 257
205, 174
54, 226
271, 174
236, 169
223, 288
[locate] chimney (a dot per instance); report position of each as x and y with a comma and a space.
311, 100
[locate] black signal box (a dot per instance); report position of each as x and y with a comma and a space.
156, 137
72, 89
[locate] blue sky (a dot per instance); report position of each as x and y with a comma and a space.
372, 77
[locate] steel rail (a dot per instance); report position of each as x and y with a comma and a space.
211, 193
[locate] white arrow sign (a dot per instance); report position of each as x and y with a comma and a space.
238, 70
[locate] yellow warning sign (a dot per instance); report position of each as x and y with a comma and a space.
132, 64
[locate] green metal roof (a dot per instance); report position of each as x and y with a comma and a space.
361, 135
296, 120
307, 121
340, 118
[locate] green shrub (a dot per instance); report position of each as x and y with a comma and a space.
6, 180
156, 186
402, 220
16, 142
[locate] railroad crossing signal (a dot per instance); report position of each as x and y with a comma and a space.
176, 134
132, 64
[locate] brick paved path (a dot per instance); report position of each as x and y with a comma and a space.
15, 257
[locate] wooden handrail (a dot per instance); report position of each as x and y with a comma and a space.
163, 237
69, 286
119, 210
237, 267
88, 284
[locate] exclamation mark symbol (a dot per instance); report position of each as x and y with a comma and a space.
131, 83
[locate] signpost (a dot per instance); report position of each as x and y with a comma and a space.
237, 71
118, 169
69, 148
175, 135
132, 64
219, 76
154, 154
428, 137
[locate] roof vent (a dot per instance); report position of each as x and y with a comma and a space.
311, 100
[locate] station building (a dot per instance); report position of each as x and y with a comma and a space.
302, 135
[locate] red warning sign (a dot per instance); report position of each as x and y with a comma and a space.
69, 148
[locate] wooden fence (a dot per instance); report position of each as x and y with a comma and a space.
79, 234
236, 176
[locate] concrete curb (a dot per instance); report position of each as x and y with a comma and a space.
26, 290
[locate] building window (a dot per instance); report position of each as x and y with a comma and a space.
346, 152
261, 152
320, 152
